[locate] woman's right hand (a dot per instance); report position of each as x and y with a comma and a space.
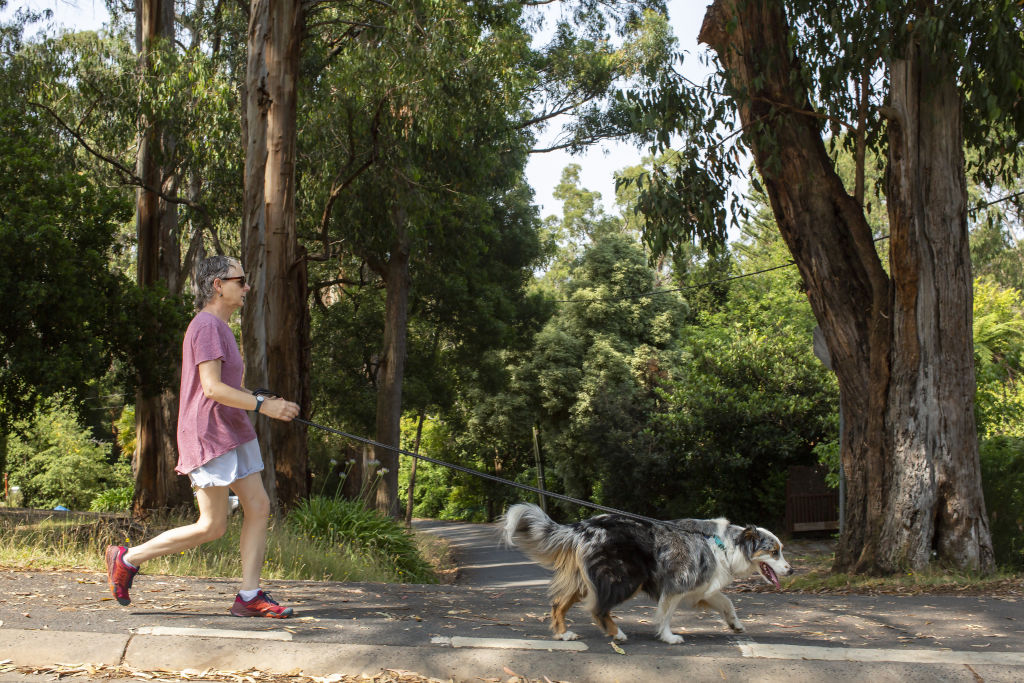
280, 409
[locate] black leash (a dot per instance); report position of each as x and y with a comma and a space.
482, 475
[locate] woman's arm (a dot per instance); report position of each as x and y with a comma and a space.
216, 390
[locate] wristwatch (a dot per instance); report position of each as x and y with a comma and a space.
260, 398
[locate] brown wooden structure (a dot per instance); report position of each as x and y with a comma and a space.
810, 504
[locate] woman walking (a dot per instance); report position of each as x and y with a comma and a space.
217, 445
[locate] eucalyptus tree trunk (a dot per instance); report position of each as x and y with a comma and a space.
901, 348
391, 369
275, 318
935, 487
158, 256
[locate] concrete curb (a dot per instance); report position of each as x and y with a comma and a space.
37, 648
42, 647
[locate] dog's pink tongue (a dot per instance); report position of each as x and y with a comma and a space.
770, 575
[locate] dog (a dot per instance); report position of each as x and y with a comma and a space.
606, 560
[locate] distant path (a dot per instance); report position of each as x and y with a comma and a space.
482, 560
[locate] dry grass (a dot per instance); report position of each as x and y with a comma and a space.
813, 564
62, 541
437, 552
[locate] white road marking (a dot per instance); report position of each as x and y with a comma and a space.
748, 648
212, 633
509, 643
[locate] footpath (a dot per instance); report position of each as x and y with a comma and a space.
491, 626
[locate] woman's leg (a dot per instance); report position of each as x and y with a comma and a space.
256, 511
211, 525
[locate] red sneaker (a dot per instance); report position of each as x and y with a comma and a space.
119, 575
261, 606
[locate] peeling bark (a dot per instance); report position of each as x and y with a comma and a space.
275, 319
157, 485
901, 348
935, 491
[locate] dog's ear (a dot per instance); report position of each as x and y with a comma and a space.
750, 539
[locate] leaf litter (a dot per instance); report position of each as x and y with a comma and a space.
113, 673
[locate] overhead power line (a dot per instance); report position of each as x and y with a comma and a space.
700, 285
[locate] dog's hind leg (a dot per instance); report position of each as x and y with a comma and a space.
559, 607
663, 618
609, 626
724, 605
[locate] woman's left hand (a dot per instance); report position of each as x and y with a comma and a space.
280, 409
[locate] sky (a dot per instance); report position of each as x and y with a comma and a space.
543, 171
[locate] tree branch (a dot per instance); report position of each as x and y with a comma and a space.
336, 191
552, 114
129, 177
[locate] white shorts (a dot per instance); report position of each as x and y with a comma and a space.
236, 464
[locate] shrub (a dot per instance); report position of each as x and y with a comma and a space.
56, 461
332, 522
113, 500
1002, 476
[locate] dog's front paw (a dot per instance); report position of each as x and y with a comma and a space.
670, 638
737, 627
567, 635
620, 636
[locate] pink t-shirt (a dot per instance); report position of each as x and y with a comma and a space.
206, 428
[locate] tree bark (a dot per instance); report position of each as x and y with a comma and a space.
935, 490
391, 371
898, 423
157, 485
275, 319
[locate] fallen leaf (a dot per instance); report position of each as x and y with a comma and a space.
615, 646
333, 678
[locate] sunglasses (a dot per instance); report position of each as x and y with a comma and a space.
240, 278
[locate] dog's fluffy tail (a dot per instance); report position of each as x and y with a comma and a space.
541, 538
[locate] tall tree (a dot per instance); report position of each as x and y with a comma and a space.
914, 82
275, 320
431, 104
69, 316
158, 259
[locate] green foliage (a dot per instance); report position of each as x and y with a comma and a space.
335, 522
999, 359
839, 49
113, 500
592, 374
749, 399
431, 495
384, 133
75, 316
643, 402
1002, 477
55, 461
124, 429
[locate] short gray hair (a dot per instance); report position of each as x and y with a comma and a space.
208, 270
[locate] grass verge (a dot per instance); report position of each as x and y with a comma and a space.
69, 541
814, 575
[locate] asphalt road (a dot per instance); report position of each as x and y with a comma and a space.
494, 622
484, 562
